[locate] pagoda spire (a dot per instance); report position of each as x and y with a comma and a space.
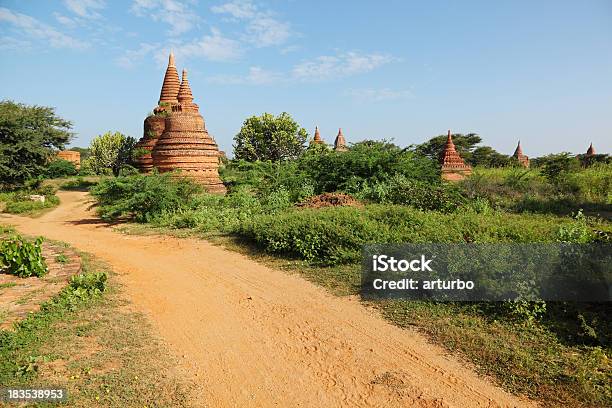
171, 85
591, 150
518, 152
184, 94
518, 155
317, 136
340, 143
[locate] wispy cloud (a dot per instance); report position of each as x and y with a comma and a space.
213, 47
85, 8
30, 27
380, 94
263, 29
176, 13
131, 58
256, 76
14, 44
340, 65
321, 68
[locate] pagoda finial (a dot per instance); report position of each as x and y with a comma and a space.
317, 135
184, 94
340, 143
591, 150
171, 85
519, 151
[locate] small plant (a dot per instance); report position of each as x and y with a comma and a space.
61, 258
22, 258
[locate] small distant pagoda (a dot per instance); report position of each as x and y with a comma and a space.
317, 137
176, 135
453, 166
518, 155
340, 143
590, 151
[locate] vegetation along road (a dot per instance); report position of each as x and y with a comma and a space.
254, 336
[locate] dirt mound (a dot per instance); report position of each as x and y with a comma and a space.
330, 200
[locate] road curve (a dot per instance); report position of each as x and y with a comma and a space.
251, 336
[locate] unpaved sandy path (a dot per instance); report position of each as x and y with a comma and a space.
256, 337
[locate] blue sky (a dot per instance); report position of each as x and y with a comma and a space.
403, 70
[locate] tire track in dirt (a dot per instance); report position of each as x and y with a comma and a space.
254, 336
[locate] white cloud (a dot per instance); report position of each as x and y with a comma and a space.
378, 95
13, 44
31, 27
213, 47
132, 58
262, 28
65, 21
176, 13
256, 76
324, 67
85, 8
341, 65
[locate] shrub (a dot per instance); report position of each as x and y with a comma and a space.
143, 197
335, 235
425, 196
61, 168
22, 258
78, 183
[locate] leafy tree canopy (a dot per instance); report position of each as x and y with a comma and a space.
29, 137
111, 152
269, 137
468, 149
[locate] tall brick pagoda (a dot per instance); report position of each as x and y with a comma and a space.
518, 155
453, 166
185, 144
340, 143
176, 136
154, 124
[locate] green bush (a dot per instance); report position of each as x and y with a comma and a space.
61, 168
336, 235
425, 196
143, 197
78, 183
22, 258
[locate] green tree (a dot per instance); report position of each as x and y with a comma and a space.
267, 137
465, 145
111, 152
60, 168
83, 150
555, 166
489, 157
29, 136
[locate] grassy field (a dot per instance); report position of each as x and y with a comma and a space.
100, 349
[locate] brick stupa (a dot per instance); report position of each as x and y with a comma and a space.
185, 144
154, 124
518, 155
317, 137
590, 151
340, 143
453, 166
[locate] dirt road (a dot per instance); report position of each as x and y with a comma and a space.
251, 336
